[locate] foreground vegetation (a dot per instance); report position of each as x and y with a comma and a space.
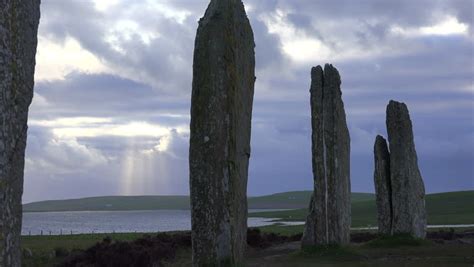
390, 251
50, 250
400, 253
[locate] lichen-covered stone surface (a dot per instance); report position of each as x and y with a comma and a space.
329, 217
383, 187
18, 40
408, 190
221, 112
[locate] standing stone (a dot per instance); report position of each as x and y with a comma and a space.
315, 231
329, 217
221, 112
383, 187
408, 190
19, 21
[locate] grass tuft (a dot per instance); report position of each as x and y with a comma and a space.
330, 253
399, 240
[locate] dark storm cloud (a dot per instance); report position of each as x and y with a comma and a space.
150, 81
402, 12
157, 61
104, 95
267, 52
166, 60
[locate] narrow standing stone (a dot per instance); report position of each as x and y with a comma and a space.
221, 111
383, 186
329, 218
408, 190
18, 40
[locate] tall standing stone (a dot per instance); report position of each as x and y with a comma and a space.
383, 186
18, 40
329, 217
221, 112
408, 190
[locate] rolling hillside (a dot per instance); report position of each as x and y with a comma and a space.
443, 208
294, 200
287, 200
111, 203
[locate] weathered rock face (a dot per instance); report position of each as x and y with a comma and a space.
18, 40
408, 190
221, 111
383, 187
329, 218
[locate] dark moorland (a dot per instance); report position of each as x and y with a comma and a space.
268, 246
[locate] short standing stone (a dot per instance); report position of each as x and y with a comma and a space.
383, 186
221, 111
408, 190
329, 218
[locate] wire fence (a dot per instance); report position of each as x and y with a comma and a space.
63, 232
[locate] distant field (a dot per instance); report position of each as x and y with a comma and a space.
443, 208
288, 200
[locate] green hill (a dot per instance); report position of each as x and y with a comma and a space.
443, 208
294, 200
287, 200
111, 203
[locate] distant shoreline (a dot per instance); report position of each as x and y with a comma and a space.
451, 208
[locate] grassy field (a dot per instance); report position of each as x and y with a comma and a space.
287, 200
444, 208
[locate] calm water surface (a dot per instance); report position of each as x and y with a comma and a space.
80, 222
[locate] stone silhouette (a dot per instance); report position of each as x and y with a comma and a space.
408, 190
329, 216
18, 40
383, 187
398, 183
221, 112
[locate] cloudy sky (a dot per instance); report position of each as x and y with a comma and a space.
110, 114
